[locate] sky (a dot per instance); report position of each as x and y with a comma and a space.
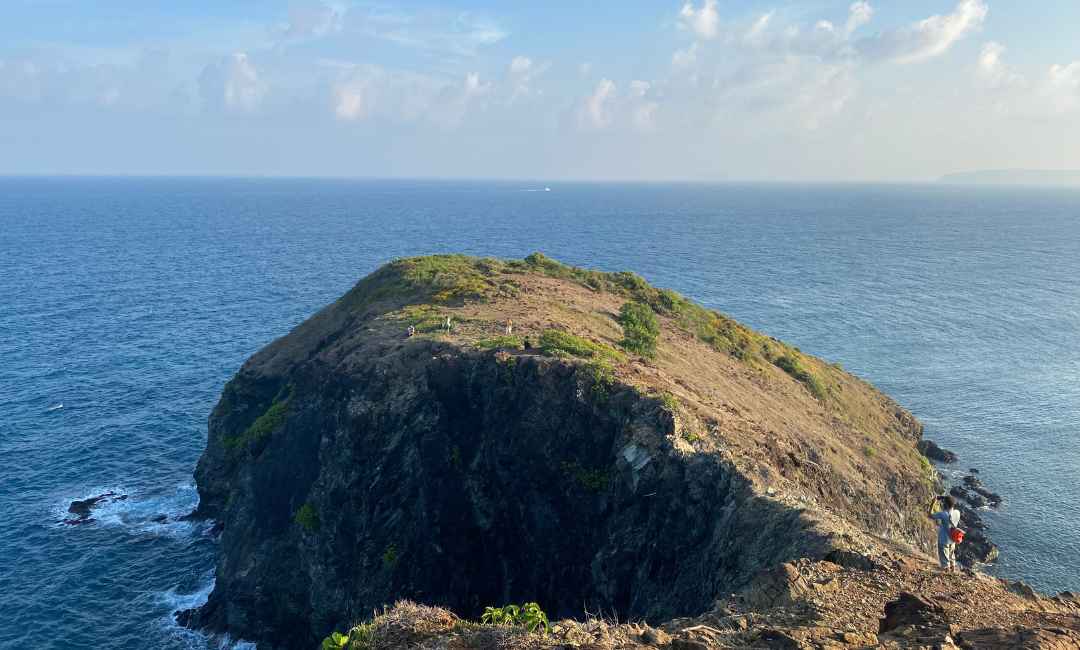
698, 90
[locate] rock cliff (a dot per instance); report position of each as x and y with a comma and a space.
571, 437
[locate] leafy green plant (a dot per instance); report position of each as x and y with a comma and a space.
336, 641
308, 518
670, 402
361, 637
529, 616
640, 328
602, 378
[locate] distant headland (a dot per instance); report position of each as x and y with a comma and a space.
1041, 177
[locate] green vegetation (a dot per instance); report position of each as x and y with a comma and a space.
794, 367
308, 518
869, 451
529, 616
602, 378
557, 343
455, 278
361, 637
501, 343
426, 319
390, 557
640, 328
263, 426
591, 479
670, 402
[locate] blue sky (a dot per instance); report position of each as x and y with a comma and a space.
694, 90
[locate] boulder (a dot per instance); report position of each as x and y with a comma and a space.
912, 610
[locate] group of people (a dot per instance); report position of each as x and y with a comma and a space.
448, 327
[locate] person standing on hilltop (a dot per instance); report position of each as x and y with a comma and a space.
947, 519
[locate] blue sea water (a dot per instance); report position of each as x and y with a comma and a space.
131, 301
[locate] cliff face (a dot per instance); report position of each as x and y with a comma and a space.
352, 464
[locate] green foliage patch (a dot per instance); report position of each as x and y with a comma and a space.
794, 367
529, 616
455, 278
501, 343
263, 426
640, 328
591, 479
308, 518
390, 557
558, 343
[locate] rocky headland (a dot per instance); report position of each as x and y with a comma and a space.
467, 433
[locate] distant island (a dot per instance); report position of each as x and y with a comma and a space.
1064, 177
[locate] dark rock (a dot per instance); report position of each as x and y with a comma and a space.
911, 610
159, 519
931, 450
976, 549
852, 560
82, 508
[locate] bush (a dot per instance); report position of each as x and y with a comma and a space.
561, 344
263, 426
308, 518
792, 366
640, 328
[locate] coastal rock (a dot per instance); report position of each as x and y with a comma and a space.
82, 509
931, 450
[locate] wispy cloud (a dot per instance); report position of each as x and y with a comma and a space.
928, 38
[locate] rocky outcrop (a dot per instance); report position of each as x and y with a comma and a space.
931, 450
374, 454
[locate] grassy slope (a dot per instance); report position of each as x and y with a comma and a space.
818, 437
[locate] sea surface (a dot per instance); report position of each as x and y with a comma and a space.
127, 303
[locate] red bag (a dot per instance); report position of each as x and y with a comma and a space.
956, 535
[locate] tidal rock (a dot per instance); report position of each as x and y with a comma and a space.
931, 450
82, 508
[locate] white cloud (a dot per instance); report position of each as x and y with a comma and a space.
232, 84
596, 111
638, 88
521, 74
757, 30
462, 33
685, 58
859, 14
704, 22
1053, 94
928, 38
371, 92
313, 20
644, 116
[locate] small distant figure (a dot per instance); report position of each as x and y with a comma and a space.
509, 327
948, 518
528, 343
449, 324
412, 331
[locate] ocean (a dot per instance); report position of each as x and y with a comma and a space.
129, 302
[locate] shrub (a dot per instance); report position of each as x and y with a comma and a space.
529, 616
562, 344
792, 366
263, 426
360, 637
640, 328
308, 518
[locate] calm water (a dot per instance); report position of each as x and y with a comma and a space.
132, 301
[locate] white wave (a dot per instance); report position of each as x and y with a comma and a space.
55, 407
195, 639
159, 515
